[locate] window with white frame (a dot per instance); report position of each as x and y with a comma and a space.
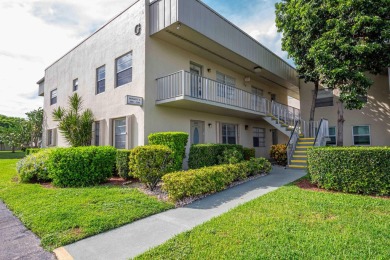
101, 79
53, 97
75, 84
361, 135
97, 133
124, 69
227, 85
332, 136
120, 133
229, 133
50, 137
324, 98
258, 137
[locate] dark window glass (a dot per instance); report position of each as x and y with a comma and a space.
258, 137
361, 135
49, 137
120, 133
97, 133
332, 136
53, 97
229, 134
101, 79
124, 69
324, 98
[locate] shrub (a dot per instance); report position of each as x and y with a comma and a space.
122, 163
149, 163
81, 166
32, 150
249, 153
351, 169
279, 154
210, 179
230, 156
33, 168
176, 141
202, 155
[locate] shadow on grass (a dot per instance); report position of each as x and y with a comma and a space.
10, 155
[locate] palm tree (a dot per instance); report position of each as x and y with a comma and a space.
76, 126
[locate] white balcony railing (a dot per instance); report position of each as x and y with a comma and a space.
186, 84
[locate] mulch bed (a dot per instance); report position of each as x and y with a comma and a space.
307, 185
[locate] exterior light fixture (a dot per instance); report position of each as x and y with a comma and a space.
210, 125
258, 69
178, 26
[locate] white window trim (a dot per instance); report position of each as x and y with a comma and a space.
119, 71
97, 79
253, 135
335, 134
236, 126
353, 135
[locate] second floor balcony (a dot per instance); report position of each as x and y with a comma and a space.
190, 91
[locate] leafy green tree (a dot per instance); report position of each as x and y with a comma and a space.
15, 133
35, 125
348, 40
75, 124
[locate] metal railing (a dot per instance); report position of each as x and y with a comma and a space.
292, 142
322, 133
183, 83
285, 115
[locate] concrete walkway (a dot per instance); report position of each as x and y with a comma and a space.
16, 241
135, 238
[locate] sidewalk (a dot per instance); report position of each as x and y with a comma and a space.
135, 238
16, 241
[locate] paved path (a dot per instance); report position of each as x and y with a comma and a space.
16, 241
137, 237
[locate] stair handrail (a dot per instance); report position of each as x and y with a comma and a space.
322, 133
292, 142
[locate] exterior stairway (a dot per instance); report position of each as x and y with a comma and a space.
299, 159
281, 126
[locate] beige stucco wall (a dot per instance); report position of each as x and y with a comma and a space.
102, 48
376, 113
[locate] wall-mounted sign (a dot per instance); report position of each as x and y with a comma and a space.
134, 101
137, 29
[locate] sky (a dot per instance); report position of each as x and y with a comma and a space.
35, 33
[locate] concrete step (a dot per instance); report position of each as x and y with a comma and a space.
303, 147
305, 143
299, 161
297, 166
299, 156
301, 152
306, 139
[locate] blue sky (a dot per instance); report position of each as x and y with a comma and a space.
44, 30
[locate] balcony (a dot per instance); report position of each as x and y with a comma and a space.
193, 92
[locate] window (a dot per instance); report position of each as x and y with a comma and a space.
124, 69
101, 79
229, 134
332, 136
258, 137
53, 97
97, 133
361, 135
120, 133
75, 84
49, 137
227, 86
324, 98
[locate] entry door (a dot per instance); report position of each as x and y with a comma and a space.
197, 132
274, 136
196, 80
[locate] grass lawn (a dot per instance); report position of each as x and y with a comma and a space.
61, 216
289, 223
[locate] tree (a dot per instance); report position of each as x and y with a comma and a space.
14, 133
351, 39
35, 124
75, 125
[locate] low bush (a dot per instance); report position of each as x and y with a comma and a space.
150, 163
279, 154
362, 170
230, 156
122, 164
33, 168
81, 166
211, 179
203, 155
249, 153
32, 150
176, 141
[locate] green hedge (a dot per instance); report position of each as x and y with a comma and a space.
33, 167
249, 153
203, 155
149, 163
211, 179
81, 166
122, 164
176, 141
32, 150
364, 170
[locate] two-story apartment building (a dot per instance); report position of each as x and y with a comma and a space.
173, 65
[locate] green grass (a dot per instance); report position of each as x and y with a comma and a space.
289, 223
61, 216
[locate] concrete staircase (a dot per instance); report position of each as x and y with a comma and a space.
299, 160
281, 126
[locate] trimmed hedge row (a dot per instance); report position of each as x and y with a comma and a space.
176, 141
149, 163
32, 150
122, 164
81, 166
249, 153
364, 170
203, 155
211, 179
